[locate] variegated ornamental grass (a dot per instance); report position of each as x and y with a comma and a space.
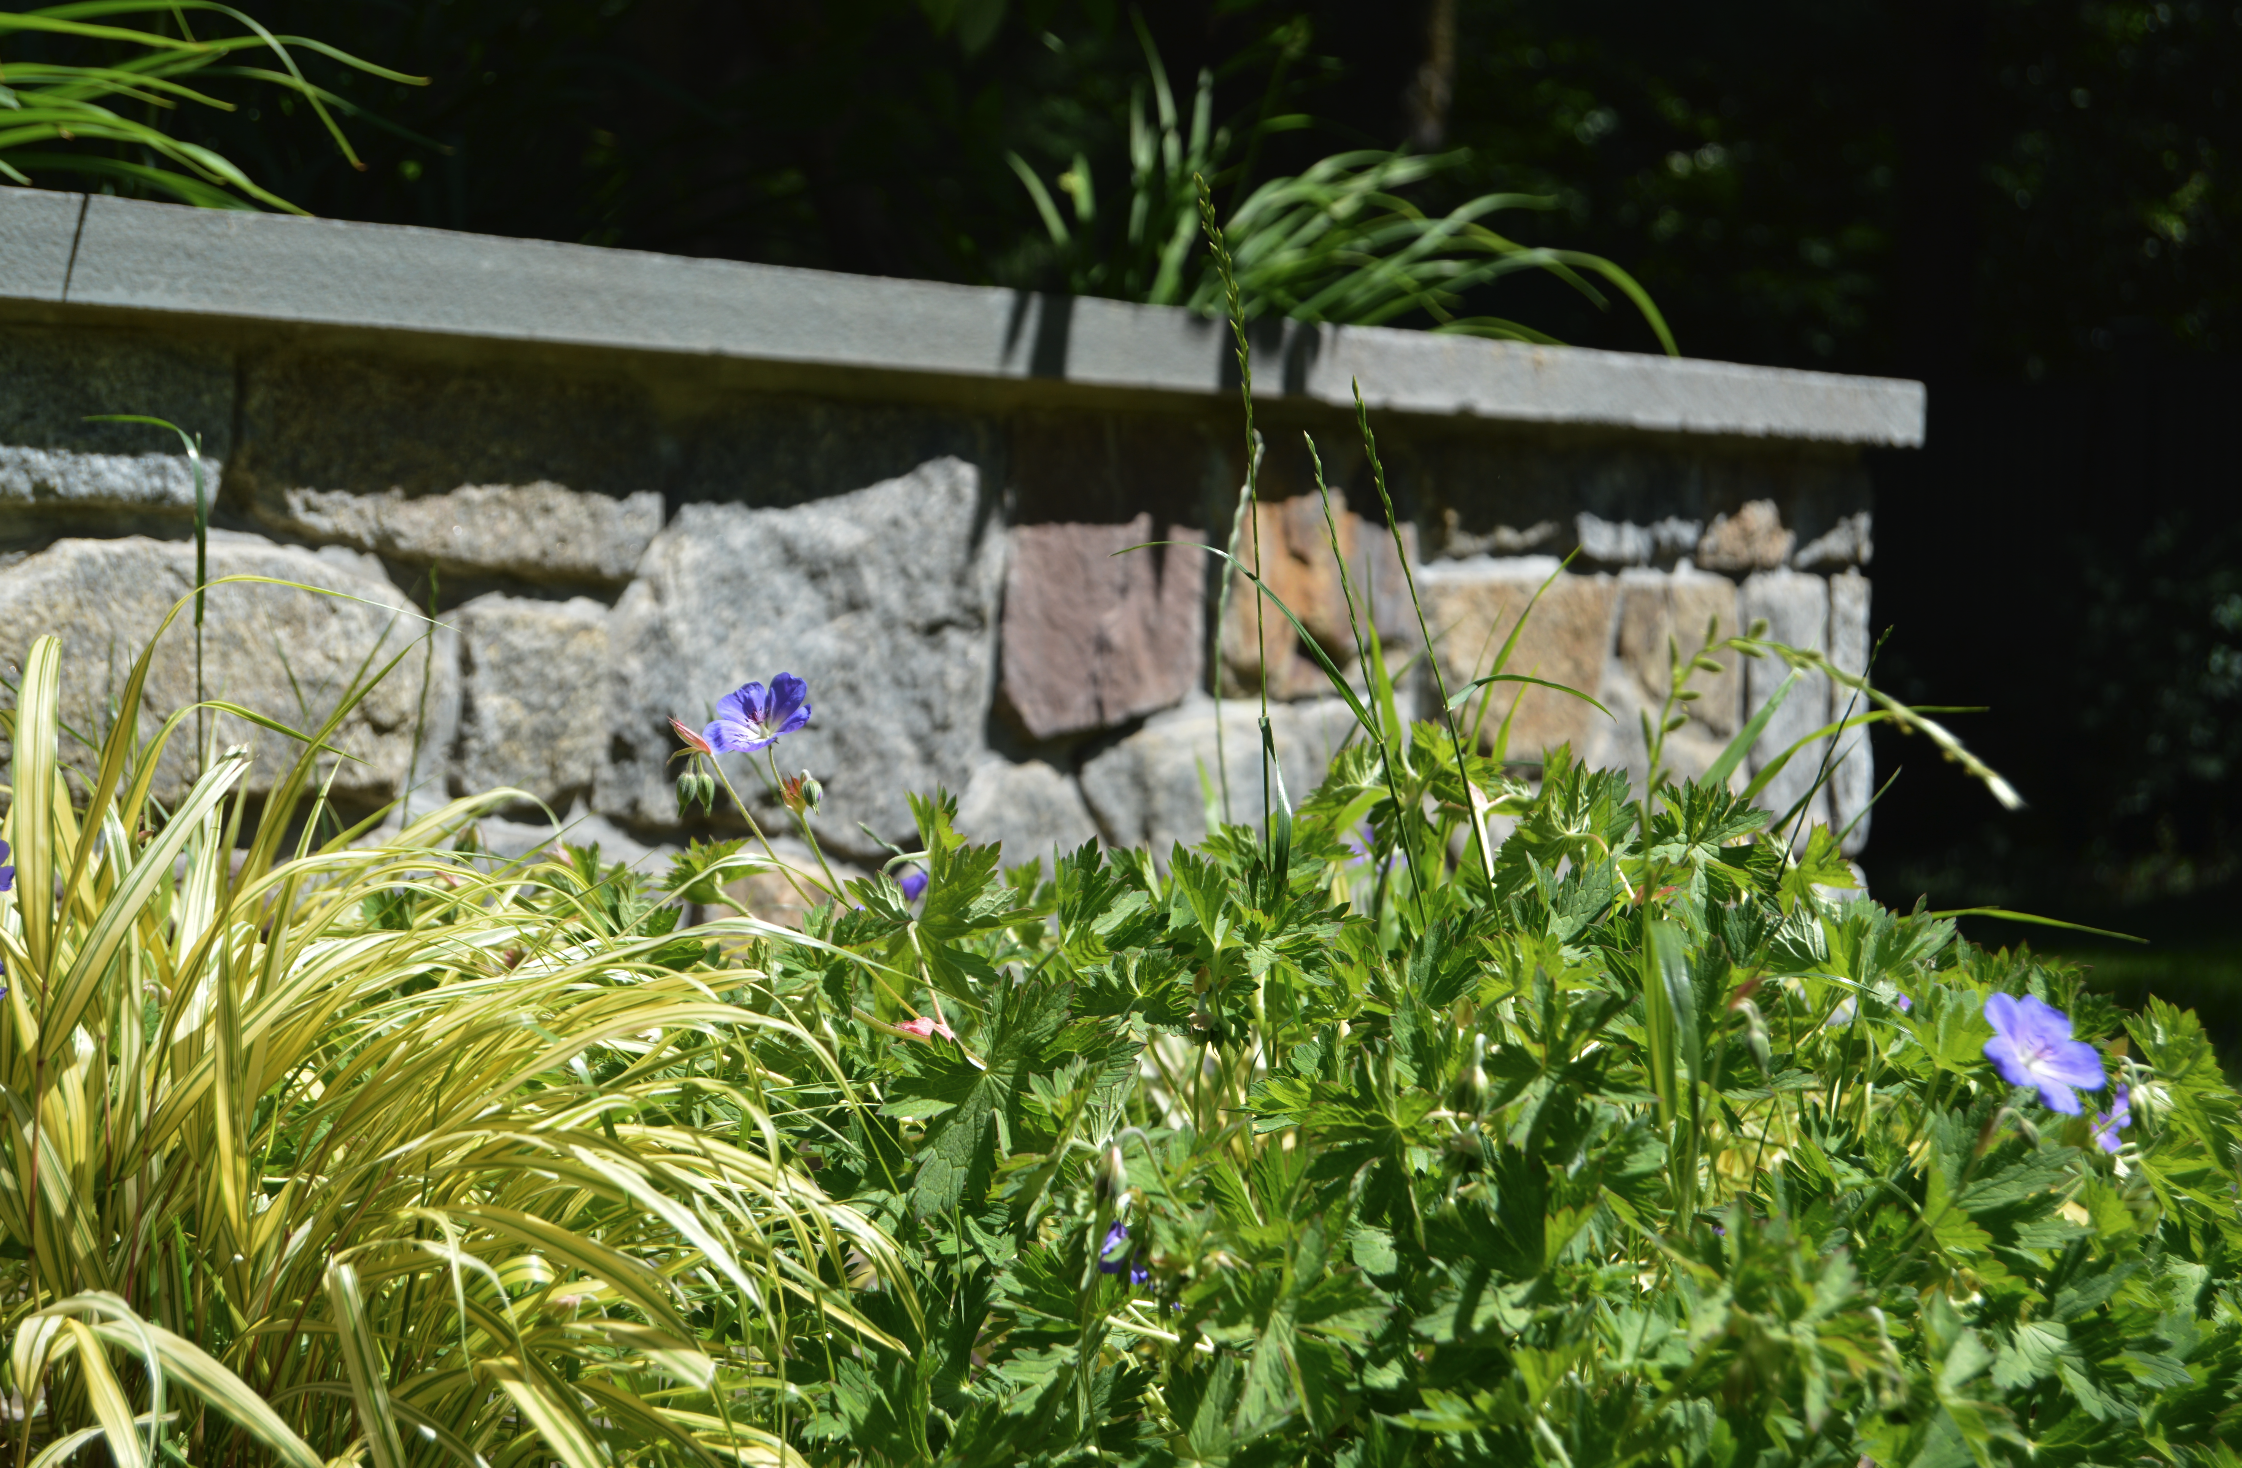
320, 1152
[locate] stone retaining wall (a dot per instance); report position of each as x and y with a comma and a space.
630, 483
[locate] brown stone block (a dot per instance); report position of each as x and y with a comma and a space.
1293, 556
1092, 638
1473, 607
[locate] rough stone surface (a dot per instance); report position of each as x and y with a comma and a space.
37, 230
1624, 543
51, 381
1145, 789
108, 481
287, 654
1796, 607
533, 678
1847, 543
1093, 638
1472, 607
488, 468
1029, 808
1853, 783
1297, 564
775, 453
1460, 543
1752, 539
540, 531
884, 599
1654, 608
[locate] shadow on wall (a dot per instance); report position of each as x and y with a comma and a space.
618, 543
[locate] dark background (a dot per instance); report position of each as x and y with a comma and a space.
2032, 205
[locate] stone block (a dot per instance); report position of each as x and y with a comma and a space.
1752, 539
1625, 543
533, 688
38, 234
772, 453
1847, 543
540, 531
1853, 783
482, 469
288, 654
1093, 638
883, 599
1106, 467
1295, 561
1145, 790
1472, 606
1655, 610
1796, 607
52, 380
1029, 808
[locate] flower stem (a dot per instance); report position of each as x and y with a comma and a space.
793, 878
802, 819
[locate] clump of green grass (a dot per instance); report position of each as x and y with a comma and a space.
86, 96
320, 1152
1339, 242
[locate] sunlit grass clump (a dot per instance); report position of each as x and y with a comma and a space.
372, 1149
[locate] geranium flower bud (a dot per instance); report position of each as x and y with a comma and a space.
1111, 1179
708, 791
688, 790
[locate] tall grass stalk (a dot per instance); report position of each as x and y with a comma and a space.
1248, 511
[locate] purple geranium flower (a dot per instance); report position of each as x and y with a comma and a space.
2107, 1124
1112, 1262
751, 717
2032, 1046
913, 883
7, 873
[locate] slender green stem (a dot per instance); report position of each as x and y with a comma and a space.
1409, 579
793, 877
1248, 499
427, 676
802, 819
